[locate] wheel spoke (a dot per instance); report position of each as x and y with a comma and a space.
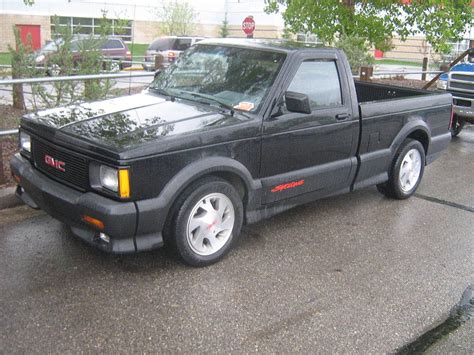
207, 206
197, 222
221, 208
227, 224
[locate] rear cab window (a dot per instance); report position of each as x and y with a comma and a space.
113, 44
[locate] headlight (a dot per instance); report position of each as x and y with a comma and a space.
442, 84
109, 178
25, 142
112, 179
39, 58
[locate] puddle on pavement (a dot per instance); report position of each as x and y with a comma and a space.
459, 314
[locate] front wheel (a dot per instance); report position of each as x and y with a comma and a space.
207, 222
457, 126
406, 171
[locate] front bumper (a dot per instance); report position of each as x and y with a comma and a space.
69, 206
464, 107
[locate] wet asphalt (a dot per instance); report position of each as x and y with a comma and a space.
354, 273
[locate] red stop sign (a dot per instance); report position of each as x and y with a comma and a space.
248, 25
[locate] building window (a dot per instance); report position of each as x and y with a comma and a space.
92, 26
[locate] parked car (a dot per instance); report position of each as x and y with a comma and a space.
168, 48
258, 128
459, 81
112, 49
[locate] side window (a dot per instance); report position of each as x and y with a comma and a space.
320, 81
182, 44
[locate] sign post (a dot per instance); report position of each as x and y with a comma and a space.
248, 26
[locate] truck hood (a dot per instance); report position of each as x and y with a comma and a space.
123, 123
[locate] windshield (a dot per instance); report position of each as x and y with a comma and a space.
51, 46
162, 44
234, 77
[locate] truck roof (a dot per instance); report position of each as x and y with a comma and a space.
266, 44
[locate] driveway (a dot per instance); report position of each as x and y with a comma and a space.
355, 273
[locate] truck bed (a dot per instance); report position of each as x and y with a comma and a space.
374, 92
386, 112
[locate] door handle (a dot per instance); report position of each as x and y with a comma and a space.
342, 116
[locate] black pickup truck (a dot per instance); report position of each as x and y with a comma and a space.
233, 132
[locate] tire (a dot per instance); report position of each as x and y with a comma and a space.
458, 125
406, 171
115, 67
54, 70
207, 221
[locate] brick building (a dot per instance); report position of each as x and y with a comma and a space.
142, 18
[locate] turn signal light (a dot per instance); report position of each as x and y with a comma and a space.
171, 56
17, 178
124, 183
93, 221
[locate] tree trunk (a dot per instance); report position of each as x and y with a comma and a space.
18, 96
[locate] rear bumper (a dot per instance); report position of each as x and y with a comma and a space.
120, 219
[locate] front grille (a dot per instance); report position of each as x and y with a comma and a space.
462, 81
460, 102
465, 77
76, 168
461, 86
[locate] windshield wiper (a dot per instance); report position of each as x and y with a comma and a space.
163, 92
212, 98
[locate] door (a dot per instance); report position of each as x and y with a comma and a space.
307, 152
30, 36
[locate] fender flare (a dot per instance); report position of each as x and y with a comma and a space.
409, 128
206, 166
153, 212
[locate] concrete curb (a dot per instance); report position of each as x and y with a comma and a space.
8, 198
132, 68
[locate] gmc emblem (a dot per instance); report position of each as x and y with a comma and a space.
55, 163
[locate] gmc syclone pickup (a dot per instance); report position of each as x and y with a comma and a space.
233, 132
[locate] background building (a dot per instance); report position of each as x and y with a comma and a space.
143, 23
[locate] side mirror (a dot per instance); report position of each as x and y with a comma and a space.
157, 73
297, 102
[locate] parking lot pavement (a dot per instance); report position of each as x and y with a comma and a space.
354, 273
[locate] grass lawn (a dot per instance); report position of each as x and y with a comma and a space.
398, 62
137, 49
407, 63
5, 58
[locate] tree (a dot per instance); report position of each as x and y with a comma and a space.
377, 21
177, 18
22, 65
224, 29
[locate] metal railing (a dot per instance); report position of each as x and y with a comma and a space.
9, 82
73, 78
9, 132
402, 72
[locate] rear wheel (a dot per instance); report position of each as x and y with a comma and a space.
207, 221
406, 171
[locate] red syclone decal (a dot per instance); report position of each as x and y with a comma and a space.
289, 185
55, 163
